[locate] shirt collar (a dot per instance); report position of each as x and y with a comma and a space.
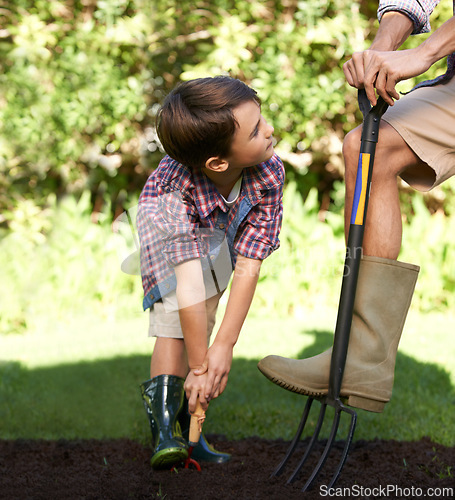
185, 179
172, 169
256, 180
261, 178
206, 197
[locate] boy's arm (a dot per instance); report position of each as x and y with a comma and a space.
193, 319
219, 357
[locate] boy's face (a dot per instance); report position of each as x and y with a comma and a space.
253, 141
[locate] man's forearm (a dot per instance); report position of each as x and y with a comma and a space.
440, 44
394, 29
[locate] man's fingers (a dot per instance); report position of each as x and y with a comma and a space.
379, 84
370, 83
348, 74
385, 85
371, 94
391, 90
354, 70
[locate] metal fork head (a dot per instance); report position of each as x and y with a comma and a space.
339, 409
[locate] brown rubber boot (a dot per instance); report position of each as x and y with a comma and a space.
384, 292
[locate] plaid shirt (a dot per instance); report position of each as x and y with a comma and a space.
181, 214
419, 12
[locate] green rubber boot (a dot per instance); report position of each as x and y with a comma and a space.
163, 400
203, 452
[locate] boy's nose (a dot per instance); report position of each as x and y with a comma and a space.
270, 130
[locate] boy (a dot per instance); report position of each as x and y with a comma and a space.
213, 205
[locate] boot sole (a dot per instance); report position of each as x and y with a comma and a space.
293, 388
360, 402
166, 459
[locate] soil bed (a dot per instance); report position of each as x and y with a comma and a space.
119, 469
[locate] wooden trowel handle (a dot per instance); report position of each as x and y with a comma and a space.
197, 418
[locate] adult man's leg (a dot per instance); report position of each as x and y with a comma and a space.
383, 228
384, 290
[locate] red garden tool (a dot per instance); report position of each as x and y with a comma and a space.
369, 139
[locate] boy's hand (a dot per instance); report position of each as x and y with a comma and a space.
195, 388
217, 365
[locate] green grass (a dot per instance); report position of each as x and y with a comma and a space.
74, 348
79, 378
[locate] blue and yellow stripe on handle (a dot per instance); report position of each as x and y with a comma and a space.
361, 187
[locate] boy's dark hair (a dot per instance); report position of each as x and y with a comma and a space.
196, 120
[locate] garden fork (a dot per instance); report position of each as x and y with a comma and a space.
369, 138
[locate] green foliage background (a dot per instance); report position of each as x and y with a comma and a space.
80, 84
81, 81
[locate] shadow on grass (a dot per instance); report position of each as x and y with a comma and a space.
101, 399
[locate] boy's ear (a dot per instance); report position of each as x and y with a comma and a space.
217, 164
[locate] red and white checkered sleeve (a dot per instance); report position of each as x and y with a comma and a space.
176, 222
259, 233
418, 11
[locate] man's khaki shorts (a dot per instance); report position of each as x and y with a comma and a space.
425, 119
165, 320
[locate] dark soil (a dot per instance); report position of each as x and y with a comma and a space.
120, 469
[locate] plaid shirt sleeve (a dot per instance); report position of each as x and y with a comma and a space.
167, 226
174, 222
177, 223
418, 11
259, 233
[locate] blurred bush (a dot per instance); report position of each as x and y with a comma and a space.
80, 85
57, 264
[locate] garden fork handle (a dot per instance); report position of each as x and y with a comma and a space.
369, 139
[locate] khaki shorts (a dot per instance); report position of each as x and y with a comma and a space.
165, 321
425, 119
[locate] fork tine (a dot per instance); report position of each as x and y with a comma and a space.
346, 446
296, 439
339, 407
325, 454
310, 444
